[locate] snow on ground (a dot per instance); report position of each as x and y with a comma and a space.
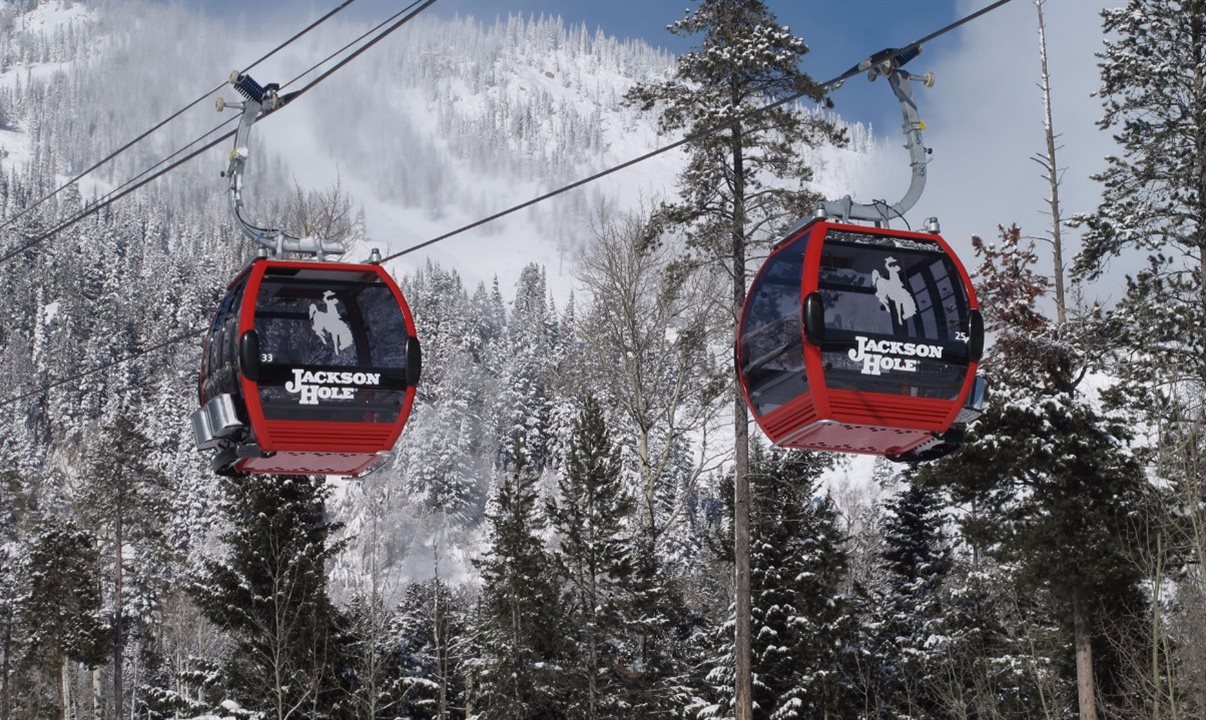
14, 149
24, 75
49, 17
46, 19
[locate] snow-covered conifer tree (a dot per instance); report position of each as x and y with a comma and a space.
1153, 89
729, 194
521, 627
1049, 472
269, 593
906, 637
595, 560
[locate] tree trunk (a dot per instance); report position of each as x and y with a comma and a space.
133, 685
118, 621
1052, 168
1156, 629
743, 696
1198, 52
98, 702
469, 688
4, 671
1085, 687
65, 687
441, 649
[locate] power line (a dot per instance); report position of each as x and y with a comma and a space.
104, 366
172, 117
415, 8
829, 83
700, 134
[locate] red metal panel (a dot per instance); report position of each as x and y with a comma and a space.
330, 436
854, 438
895, 411
251, 393
787, 419
848, 421
309, 463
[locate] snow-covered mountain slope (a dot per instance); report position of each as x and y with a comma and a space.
451, 121
445, 122
441, 124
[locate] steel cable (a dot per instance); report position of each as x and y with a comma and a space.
173, 116
855, 70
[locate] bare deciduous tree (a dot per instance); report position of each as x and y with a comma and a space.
648, 332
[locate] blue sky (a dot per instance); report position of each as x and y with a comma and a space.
839, 32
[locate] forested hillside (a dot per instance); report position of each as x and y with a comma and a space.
553, 537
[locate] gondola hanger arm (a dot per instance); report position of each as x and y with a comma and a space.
889, 63
259, 102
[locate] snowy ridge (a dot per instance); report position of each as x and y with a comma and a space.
460, 137
51, 16
447, 138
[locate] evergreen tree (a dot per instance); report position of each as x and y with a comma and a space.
909, 611
732, 189
656, 649
526, 358
269, 593
428, 635
124, 500
1153, 206
61, 611
994, 652
520, 628
803, 614
1050, 475
595, 558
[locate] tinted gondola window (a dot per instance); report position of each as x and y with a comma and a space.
330, 349
899, 312
220, 361
771, 342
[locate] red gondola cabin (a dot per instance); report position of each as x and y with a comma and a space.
307, 368
862, 340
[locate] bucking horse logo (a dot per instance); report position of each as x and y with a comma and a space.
892, 293
329, 326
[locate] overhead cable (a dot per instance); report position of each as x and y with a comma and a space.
693, 137
234, 118
104, 366
171, 117
418, 5
857, 69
